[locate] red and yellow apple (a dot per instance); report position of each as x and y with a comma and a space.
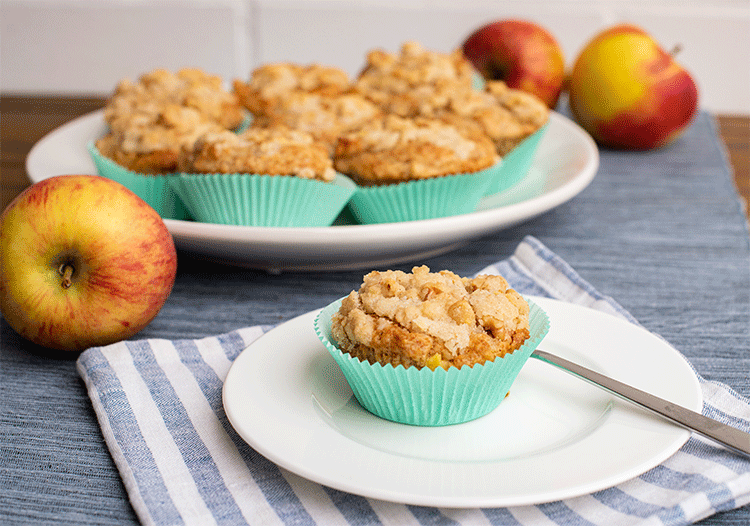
629, 93
522, 54
83, 262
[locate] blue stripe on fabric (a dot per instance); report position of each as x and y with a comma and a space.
355, 509
232, 344
721, 498
665, 477
500, 517
717, 454
275, 488
674, 516
200, 464
562, 514
616, 499
716, 413
127, 434
430, 516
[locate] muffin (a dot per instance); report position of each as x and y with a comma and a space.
326, 118
388, 75
430, 348
153, 141
523, 115
394, 150
412, 169
188, 88
276, 150
271, 84
272, 176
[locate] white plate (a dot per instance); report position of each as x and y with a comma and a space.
554, 437
565, 163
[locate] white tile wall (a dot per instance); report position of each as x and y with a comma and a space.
85, 47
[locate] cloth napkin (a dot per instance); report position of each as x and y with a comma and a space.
159, 405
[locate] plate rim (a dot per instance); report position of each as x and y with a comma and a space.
679, 436
307, 248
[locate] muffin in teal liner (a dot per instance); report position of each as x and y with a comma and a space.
416, 168
155, 189
422, 199
431, 397
516, 163
263, 200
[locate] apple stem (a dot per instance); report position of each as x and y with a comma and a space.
675, 50
66, 271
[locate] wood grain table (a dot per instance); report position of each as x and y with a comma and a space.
25, 120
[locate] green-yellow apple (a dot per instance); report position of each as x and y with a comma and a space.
627, 92
522, 54
83, 262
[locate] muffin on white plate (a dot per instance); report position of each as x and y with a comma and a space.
428, 348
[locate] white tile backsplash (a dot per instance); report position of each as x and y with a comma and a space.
69, 46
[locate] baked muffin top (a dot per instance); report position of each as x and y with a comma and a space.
275, 150
324, 117
388, 74
504, 114
153, 142
189, 88
427, 319
393, 149
271, 83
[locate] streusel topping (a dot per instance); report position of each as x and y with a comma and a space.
270, 151
395, 149
386, 74
324, 117
189, 87
431, 319
272, 83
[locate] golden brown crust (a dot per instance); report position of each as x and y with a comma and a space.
324, 117
270, 151
426, 319
155, 143
271, 84
154, 120
189, 87
394, 149
387, 75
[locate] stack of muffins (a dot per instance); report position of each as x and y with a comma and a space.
409, 138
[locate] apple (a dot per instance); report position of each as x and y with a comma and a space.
629, 93
522, 54
83, 262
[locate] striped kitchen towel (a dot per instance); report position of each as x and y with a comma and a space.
159, 404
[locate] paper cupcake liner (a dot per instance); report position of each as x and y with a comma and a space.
424, 397
516, 163
263, 200
422, 199
154, 189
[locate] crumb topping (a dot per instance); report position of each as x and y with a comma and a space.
397, 149
273, 151
431, 319
270, 84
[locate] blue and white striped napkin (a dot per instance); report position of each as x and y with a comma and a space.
160, 409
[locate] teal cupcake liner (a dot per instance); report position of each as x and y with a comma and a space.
263, 200
154, 189
422, 199
516, 163
424, 397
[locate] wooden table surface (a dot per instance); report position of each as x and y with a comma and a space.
25, 120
